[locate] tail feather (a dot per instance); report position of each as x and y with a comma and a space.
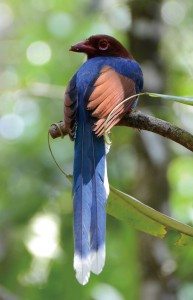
98, 260
82, 267
98, 212
82, 199
98, 255
90, 189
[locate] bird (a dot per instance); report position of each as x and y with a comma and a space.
109, 75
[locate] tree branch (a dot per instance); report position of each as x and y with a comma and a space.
141, 121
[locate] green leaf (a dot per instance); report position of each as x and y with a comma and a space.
184, 240
184, 100
146, 219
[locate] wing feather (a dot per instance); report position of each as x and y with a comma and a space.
110, 89
70, 107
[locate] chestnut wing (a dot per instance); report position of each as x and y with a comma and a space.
110, 89
70, 107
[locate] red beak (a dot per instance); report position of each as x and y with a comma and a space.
82, 47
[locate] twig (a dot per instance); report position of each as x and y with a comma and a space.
142, 121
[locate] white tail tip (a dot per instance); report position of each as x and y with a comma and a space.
98, 260
82, 268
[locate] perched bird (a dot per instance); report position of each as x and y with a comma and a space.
109, 76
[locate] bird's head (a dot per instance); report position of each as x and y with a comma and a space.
101, 45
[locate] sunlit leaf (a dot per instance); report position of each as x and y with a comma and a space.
184, 240
184, 100
145, 218
125, 209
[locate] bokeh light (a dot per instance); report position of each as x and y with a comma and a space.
28, 109
6, 16
42, 5
44, 239
37, 273
173, 12
186, 292
102, 27
11, 126
107, 292
120, 17
60, 25
8, 78
39, 53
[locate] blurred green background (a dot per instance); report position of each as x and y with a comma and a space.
36, 239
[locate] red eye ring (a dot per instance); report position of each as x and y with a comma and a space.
103, 45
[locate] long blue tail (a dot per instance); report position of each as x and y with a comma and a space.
90, 191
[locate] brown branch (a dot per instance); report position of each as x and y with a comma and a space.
141, 121
58, 130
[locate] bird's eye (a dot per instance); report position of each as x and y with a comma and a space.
103, 45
